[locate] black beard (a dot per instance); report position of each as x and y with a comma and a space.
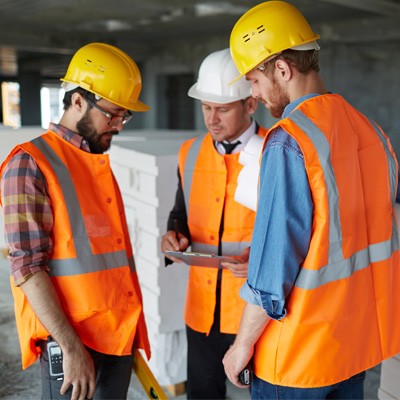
85, 129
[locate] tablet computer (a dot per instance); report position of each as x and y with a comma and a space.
201, 259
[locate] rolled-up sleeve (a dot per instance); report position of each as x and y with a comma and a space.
28, 217
282, 229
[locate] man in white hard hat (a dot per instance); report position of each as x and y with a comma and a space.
206, 217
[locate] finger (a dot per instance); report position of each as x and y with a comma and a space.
238, 384
84, 391
64, 387
92, 388
183, 243
75, 392
239, 270
246, 253
168, 243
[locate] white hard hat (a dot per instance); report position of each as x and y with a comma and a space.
215, 73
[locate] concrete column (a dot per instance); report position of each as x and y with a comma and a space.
1, 103
29, 86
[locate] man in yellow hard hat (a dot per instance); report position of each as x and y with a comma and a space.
323, 284
207, 217
78, 303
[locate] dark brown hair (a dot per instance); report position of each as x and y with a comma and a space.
303, 61
68, 95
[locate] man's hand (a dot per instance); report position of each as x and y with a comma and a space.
80, 373
174, 242
239, 269
235, 360
77, 364
254, 321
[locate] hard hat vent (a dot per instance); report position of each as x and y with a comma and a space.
92, 64
108, 72
260, 29
267, 29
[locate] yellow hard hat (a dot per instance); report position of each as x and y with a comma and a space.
268, 29
107, 72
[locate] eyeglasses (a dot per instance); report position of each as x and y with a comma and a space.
114, 120
271, 58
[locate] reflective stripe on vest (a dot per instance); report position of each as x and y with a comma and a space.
338, 267
228, 248
86, 261
189, 168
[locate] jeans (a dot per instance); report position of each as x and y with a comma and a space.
350, 389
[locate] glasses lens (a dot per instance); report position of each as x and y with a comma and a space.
127, 117
117, 119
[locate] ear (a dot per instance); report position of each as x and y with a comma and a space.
251, 104
78, 103
283, 70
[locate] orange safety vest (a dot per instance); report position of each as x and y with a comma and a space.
209, 182
91, 266
342, 313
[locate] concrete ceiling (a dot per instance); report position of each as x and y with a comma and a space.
42, 34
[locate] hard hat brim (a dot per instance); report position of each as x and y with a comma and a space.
137, 106
212, 98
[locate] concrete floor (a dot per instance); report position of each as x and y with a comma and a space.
17, 384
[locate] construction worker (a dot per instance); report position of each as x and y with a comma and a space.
323, 285
206, 217
78, 304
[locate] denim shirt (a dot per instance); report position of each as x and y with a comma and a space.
282, 230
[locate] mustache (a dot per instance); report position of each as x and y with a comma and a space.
113, 132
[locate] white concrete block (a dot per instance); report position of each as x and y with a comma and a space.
390, 377
168, 360
145, 166
382, 395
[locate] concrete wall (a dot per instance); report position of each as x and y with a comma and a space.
365, 74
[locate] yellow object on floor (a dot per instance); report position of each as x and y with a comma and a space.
146, 377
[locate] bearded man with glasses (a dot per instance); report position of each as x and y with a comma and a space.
78, 304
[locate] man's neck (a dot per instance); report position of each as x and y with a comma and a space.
306, 84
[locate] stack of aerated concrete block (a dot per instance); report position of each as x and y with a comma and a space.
145, 166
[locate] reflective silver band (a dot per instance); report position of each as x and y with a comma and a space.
338, 267
86, 261
323, 149
228, 248
189, 169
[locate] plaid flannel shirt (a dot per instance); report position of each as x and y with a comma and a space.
28, 215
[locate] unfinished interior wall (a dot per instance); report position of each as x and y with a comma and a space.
365, 74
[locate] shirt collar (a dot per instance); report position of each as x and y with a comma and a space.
291, 106
70, 136
244, 138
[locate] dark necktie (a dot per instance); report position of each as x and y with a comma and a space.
230, 146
